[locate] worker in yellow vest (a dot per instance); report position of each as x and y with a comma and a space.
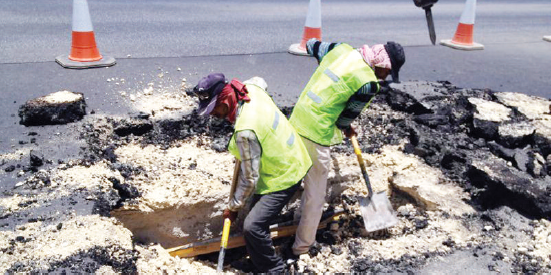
344, 83
273, 158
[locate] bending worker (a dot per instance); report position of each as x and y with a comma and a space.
273, 158
345, 81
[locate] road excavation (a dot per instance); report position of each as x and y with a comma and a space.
468, 172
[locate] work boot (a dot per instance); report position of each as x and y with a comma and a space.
314, 249
288, 255
290, 268
286, 252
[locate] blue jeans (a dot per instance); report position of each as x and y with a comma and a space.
256, 228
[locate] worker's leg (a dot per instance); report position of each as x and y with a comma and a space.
313, 197
256, 229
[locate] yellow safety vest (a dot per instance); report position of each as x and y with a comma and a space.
284, 160
340, 74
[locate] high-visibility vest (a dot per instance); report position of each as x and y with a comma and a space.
284, 160
340, 74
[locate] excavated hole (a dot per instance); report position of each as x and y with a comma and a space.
176, 224
399, 198
173, 226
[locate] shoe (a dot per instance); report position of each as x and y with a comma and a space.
290, 268
314, 249
288, 255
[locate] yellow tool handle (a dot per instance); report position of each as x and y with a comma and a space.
361, 161
227, 222
225, 233
357, 150
223, 245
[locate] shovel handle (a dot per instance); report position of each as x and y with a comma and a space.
235, 176
223, 244
227, 222
362, 163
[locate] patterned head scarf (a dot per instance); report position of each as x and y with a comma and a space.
376, 56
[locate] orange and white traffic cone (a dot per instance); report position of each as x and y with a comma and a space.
312, 28
463, 38
84, 52
547, 38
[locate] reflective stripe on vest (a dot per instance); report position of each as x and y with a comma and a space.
284, 160
340, 74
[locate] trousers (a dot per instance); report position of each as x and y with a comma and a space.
256, 228
313, 197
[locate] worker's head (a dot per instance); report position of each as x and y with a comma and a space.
397, 59
207, 90
384, 59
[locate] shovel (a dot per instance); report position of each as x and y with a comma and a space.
227, 222
376, 209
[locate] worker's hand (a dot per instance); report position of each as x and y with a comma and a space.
228, 214
384, 87
349, 132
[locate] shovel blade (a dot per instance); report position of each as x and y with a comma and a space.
377, 212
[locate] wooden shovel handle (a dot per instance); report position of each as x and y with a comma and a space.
235, 176
361, 161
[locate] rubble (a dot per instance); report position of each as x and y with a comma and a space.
509, 186
487, 117
467, 170
56, 108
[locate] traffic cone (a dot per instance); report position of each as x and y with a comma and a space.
84, 52
547, 38
312, 28
463, 38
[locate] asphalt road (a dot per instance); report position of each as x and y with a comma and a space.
247, 38
160, 32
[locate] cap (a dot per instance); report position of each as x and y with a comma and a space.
207, 91
397, 58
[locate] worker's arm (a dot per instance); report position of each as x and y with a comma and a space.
356, 103
250, 151
319, 49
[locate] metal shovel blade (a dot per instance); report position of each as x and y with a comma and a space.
377, 212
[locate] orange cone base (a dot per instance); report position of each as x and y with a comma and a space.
547, 38
296, 49
309, 33
65, 62
465, 47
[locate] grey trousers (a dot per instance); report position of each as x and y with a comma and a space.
256, 228
313, 197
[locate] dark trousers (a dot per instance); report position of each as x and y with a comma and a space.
256, 228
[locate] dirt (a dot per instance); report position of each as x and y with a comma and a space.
159, 177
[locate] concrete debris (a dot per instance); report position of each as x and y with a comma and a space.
487, 118
56, 108
513, 135
509, 186
125, 127
489, 111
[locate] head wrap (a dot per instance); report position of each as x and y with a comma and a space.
231, 94
376, 56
